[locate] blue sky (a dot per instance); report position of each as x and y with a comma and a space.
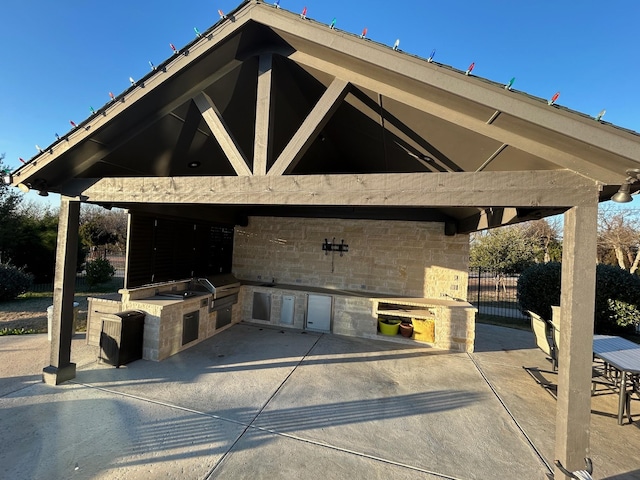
61, 58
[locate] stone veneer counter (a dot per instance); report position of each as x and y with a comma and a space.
355, 313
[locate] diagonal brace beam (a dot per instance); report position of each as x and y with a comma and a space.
221, 132
311, 127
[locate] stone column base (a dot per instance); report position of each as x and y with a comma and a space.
56, 375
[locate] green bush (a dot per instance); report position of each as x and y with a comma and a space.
99, 271
617, 295
13, 281
539, 288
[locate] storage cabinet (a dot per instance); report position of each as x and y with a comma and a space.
121, 337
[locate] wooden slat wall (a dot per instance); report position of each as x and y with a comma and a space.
162, 249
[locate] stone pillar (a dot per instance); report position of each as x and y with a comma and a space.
577, 302
61, 369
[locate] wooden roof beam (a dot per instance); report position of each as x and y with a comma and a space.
223, 135
263, 144
549, 188
562, 158
311, 127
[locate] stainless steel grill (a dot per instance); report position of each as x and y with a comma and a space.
224, 290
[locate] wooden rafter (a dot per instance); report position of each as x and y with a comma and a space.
311, 126
221, 132
555, 155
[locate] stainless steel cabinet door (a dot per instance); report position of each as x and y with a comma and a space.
319, 312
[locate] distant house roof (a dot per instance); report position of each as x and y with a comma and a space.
264, 92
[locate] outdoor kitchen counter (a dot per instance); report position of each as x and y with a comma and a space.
355, 313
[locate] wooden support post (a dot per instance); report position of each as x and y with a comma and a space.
61, 369
573, 411
263, 144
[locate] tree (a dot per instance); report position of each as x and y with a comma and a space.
9, 218
503, 251
619, 238
546, 239
100, 227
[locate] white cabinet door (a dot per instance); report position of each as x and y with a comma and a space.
319, 313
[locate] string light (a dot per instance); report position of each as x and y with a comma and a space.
173, 47
303, 15
57, 136
93, 112
433, 54
133, 82
554, 98
600, 115
112, 96
153, 67
22, 160
510, 84
73, 124
470, 69
39, 149
222, 15
397, 44
333, 24
364, 33
198, 34
277, 3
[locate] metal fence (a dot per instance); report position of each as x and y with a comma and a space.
117, 261
494, 294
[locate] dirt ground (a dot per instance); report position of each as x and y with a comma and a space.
31, 313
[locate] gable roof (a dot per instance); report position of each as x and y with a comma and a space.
264, 92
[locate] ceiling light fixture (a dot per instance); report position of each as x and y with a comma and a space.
623, 195
194, 164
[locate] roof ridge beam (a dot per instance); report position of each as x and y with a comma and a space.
223, 135
311, 127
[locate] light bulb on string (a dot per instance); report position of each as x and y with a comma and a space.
470, 69
93, 112
153, 67
132, 81
554, 98
600, 115
510, 84
173, 47
73, 124
222, 15
57, 136
333, 24
277, 3
364, 33
397, 44
303, 15
22, 160
39, 149
198, 34
433, 54
112, 96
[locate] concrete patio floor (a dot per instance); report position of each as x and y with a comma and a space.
257, 402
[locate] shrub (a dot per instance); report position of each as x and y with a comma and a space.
13, 281
99, 271
539, 288
617, 295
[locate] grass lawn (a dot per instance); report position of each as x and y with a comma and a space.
29, 311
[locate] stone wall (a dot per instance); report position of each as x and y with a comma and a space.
390, 257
